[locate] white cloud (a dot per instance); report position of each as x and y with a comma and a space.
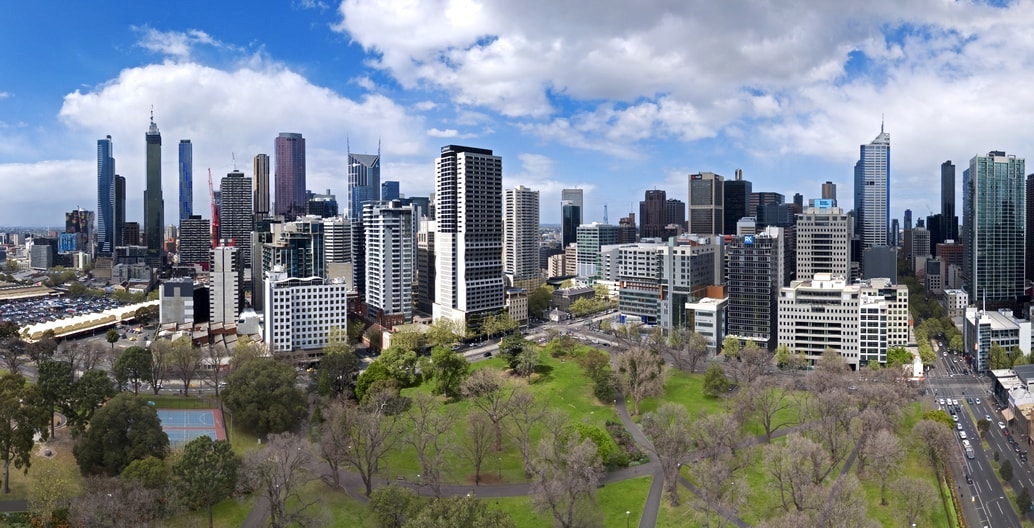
424, 106
447, 133
179, 44
4, 95
365, 83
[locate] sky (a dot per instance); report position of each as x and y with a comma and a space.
610, 96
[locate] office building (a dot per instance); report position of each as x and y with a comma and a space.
154, 204
121, 226
390, 191
993, 240
195, 242
823, 241
424, 279
236, 218
758, 199
626, 230
983, 329
289, 148
300, 313
521, 237
390, 261
571, 215
176, 301
859, 321
949, 220
106, 239
337, 241
468, 243
321, 205
755, 269
79, 224
737, 198
260, 175
186, 174
1029, 259
872, 192
880, 262
131, 235
829, 192
591, 238
706, 199
296, 247
707, 318
653, 216
224, 282
364, 181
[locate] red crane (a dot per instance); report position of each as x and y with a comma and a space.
215, 211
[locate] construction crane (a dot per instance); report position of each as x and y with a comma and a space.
215, 211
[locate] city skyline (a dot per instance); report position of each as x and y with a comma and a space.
605, 110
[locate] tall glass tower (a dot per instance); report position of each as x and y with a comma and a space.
290, 175
186, 166
105, 197
993, 229
364, 182
872, 192
154, 204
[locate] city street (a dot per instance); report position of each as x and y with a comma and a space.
984, 501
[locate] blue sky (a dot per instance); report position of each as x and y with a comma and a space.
616, 99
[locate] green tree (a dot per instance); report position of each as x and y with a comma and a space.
983, 426
23, 414
443, 332
898, 356
376, 372
401, 365
1005, 471
43, 349
206, 473
112, 337
392, 506
715, 382
998, 357
55, 386
731, 347
465, 511
956, 343
88, 394
132, 368
150, 472
448, 370
408, 338
941, 417
124, 430
1023, 500
263, 397
539, 300
245, 351
51, 490
337, 373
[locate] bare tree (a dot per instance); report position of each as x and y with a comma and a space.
111, 501
527, 412
281, 469
686, 349
161, 350
830, 372
885, 454
767, 404
430, 424
869, 423
796, 467
184, 360
12, 352
916, 496
720, 493
488, 390
842, 504
214, 355
358, 437
642, 374
669, 429
937, 441
716, 435
478, 442
565, 474
750, 364
832, 413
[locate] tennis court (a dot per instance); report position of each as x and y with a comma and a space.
184, 425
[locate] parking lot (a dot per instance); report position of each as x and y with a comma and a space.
34, 311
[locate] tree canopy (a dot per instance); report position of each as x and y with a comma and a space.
23, 414
124, 430
206, 473
263, 397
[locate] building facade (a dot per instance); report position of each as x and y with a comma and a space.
521, 235
364, 181
300, 313
468, 241
106, 240
993, 242
154, 204
195, 242
755, 269
186, 179
224, 286
289, 148
260, 175
591, 238
872, 192
236, 217
736, 200
390, 261
823, 242
706, 204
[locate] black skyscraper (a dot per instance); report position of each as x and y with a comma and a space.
948, 218
737, 198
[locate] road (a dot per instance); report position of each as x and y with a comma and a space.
984, 501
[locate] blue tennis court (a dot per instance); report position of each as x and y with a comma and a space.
184, 425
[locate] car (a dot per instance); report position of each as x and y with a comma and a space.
487, 354
988, 418
945, 354
962, 435
941, 401
969, 401
958, 426
955, 403
955, 417
978, 401
969, 479
1001, 425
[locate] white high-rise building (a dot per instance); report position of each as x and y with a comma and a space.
224, 284
521, 235
872, 192
859, 321
337, 246
468, 244
390, 258
823, 242
300, 312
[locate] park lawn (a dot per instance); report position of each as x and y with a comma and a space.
227, 514
20, 480
558, 384
613, 500
892, 513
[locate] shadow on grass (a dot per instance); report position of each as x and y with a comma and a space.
543, 374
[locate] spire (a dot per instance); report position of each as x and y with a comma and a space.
881, 123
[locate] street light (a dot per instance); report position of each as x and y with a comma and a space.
628, 519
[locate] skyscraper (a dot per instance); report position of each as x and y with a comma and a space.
290, 175
105, 197
260, 173
186, 165
737, 198
755, 269
120, 216
195, 241
224, 286
571, 214
949, 221
236, 218
993, 222
390, 258
390, 191
364, 181
652, 214
872, 192
823, 243
829, 192
468, 241
154, 204
521, 235
706, 204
